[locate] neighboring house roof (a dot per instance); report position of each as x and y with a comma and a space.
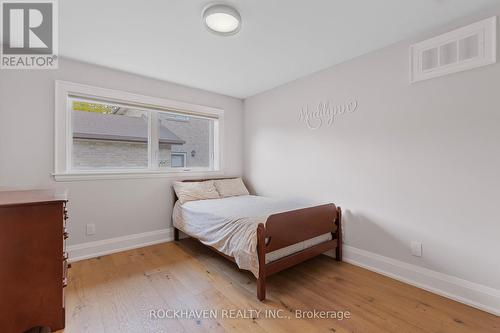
90, 125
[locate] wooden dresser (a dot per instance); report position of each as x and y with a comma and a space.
33, 261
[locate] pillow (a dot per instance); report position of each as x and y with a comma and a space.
231, 187
191, 191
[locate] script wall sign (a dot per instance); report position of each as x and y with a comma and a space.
325, 113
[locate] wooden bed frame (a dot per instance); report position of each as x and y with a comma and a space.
288, 228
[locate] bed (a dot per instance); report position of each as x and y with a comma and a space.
260, 234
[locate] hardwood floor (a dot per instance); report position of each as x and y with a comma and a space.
115, 293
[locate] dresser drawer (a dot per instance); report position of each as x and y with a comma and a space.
32, 237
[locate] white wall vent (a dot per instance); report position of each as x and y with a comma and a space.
469, 47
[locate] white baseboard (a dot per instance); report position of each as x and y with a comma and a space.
112, 245
473, 294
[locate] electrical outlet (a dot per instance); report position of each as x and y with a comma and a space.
416, 249
90, 229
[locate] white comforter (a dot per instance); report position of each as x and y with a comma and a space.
230, 225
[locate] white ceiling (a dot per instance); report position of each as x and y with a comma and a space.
280, 40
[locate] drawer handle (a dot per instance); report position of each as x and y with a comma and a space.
65, 256
65, 235
65, 282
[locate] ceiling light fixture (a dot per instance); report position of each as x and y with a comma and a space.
222, 19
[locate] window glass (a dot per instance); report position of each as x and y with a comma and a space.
189, 136
106, 136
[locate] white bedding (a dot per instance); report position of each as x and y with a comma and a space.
230, 226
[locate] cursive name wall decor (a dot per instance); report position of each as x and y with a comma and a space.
325, 113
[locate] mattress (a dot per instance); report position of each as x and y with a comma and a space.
229, 225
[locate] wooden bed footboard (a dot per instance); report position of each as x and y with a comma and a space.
288, 228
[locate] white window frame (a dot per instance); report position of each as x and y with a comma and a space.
64, 91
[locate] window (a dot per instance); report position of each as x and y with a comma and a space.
107, 132
178, 160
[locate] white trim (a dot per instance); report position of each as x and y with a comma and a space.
184, 174
63, 132
113, 245
473, 294
82, 90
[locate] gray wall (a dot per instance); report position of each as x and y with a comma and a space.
413, 162
117, 207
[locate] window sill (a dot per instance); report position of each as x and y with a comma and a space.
79, 176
